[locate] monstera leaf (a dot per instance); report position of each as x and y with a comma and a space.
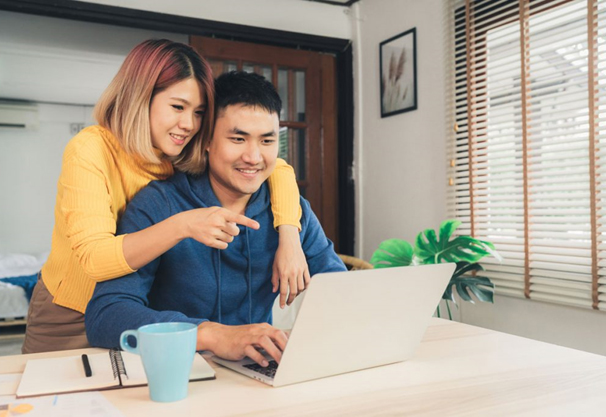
433, 250
481, 287
392, 252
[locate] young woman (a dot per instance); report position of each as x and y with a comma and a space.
152, 118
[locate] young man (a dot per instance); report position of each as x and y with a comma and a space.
227, 293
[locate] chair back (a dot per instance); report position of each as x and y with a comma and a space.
352, 263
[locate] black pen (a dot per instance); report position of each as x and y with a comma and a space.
87, 371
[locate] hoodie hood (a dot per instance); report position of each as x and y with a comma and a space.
201, 194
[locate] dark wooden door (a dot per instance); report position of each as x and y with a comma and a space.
306, 82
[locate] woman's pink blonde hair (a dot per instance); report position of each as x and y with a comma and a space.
151, 67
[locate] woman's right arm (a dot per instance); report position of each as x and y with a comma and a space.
91, 225
212, 226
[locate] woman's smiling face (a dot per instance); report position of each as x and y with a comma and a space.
175, 116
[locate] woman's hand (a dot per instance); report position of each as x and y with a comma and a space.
215, 226
290, 270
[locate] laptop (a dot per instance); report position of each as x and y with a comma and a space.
349, 321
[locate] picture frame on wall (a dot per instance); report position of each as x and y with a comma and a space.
398, 72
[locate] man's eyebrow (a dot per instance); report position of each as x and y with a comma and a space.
182, 100
237, 131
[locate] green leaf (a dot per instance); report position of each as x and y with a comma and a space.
447, 228
465, 267
481, 287
392, 252
430, 250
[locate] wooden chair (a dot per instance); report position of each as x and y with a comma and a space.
354, 264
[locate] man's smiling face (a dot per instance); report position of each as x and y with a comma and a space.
243, 150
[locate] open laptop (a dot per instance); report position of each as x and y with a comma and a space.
350, 321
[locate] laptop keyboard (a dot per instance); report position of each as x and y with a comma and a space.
269, 370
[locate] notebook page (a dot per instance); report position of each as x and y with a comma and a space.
66, 374
136, 373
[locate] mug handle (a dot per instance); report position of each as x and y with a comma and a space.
124, 341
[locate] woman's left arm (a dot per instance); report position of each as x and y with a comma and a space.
290, 270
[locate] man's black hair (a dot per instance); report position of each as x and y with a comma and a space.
249, 89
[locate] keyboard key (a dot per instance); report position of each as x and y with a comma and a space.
269, 371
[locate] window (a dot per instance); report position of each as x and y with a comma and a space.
528, 160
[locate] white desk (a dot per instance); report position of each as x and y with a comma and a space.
458, 370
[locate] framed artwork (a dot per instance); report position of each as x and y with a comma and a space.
398, 62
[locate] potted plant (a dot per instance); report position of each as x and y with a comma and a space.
432, 248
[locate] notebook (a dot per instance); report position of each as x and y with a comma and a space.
350, 321
110, 370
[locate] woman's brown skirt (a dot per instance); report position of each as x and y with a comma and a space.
52, 327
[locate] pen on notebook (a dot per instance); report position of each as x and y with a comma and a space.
87, 371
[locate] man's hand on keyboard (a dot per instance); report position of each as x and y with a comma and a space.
237, 342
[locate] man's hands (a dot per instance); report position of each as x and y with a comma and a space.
290, 271
214, 226
236, 342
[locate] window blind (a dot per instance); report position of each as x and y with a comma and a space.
528, 151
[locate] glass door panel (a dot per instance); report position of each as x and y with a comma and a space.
291, 87
298, 151
220, 66
283, 91
299, 96
293, 149
264, 70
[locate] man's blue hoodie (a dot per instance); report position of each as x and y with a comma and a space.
193, 282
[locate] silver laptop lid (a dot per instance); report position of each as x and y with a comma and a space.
361, 319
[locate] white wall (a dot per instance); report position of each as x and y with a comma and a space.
400, 160
49, 61
288, 15
60, 60
401, 171
566, 326
30, 163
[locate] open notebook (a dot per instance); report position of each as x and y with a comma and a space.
110, 370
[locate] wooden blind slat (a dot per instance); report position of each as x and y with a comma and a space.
592, 44
524, 55
470, 101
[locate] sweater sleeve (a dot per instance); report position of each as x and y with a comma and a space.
123, 304
86, 209
284, 194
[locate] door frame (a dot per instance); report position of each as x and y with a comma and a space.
341, 48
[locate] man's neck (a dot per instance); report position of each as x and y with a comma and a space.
234, 202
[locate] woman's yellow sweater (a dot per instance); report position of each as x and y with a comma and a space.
98, 179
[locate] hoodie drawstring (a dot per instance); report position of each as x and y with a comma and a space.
218, 275
249, 279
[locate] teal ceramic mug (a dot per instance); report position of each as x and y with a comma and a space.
167, 351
